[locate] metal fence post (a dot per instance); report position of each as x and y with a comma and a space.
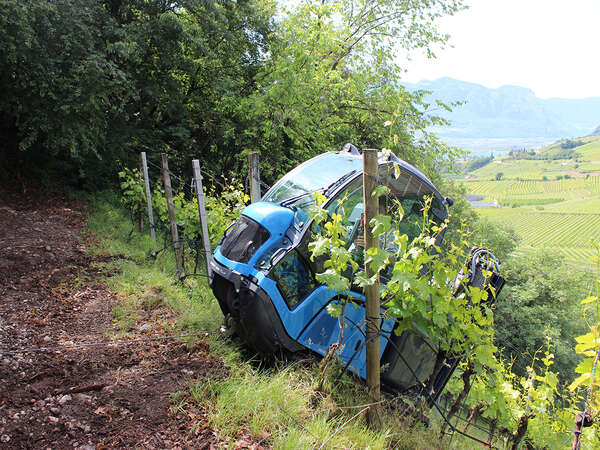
254, 174
148, 197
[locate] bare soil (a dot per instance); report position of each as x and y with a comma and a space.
94, 397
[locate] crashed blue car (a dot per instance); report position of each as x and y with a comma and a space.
264, 279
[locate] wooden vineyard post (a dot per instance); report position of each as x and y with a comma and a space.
171, 209
254, 174
372, 292
140, 212
148, 197
202, 215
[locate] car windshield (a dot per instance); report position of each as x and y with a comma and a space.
295, 189
315, 174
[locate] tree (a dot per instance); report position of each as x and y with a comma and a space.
192, 64
540, 299
87, 85
333, 78
61, 92
499, 176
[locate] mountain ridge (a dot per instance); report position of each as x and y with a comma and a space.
508, 116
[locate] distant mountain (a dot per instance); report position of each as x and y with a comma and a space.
509, 116
596, 132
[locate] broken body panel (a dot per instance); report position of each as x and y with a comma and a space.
265, 280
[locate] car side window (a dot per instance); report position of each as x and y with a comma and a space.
294, 279
349, 203
406, 191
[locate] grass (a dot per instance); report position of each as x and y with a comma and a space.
274, 405
280, 406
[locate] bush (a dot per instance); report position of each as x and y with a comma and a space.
540, 299
477, 163
569, 143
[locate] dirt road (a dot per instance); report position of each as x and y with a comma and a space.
51, 295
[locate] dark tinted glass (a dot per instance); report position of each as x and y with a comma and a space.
294, 279
415, 350
409, 186
242, 241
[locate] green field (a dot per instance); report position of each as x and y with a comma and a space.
547, 212
567, 233
587, 164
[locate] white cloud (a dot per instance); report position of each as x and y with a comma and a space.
549, 46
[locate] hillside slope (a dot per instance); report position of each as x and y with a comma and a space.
551, 203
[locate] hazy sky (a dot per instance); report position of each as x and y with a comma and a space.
549, 46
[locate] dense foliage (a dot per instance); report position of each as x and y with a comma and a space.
477, 163
516, 389
570, 143
89, 84
537, 303
565, 151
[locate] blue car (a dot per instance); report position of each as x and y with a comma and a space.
264, 279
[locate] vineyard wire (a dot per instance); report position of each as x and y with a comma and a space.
213, 177
193, 244
204, 172
169, 172
430, 398
385, 335
262, 183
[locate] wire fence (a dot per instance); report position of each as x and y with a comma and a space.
187, 188
465, 416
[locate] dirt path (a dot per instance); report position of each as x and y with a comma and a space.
92, 397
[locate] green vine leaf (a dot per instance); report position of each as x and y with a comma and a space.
378, 259
363, 281
380, 190
333, 280
380, 224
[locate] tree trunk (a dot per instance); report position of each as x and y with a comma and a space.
466, 377
521, 430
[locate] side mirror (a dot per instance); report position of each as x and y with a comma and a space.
349, 148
